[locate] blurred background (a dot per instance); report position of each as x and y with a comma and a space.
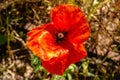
17, 62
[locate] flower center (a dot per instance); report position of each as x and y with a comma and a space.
60, 37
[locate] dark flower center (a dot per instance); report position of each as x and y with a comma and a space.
60, 37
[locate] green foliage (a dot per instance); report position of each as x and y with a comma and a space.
71, 2
36, 63
3, 39
38, 68
85, 68
68, 75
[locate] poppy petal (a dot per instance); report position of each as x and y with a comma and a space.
66, 16
59, 17
80, 34
63, 15
77, 54
70, 18
56, 65
42, 43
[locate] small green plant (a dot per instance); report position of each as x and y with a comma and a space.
38, 69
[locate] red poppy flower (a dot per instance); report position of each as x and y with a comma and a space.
60, 42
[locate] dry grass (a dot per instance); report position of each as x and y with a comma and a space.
17, 17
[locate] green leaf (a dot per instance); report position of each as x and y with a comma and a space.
17, 19
71, 2
12, 36
57, 77
3, 39
85, 67
21, 34
69, 77
90, 74
36, 61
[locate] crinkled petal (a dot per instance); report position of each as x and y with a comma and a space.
66, 16
70, 18
77, 54
59, 16
56, 65
42, 43
80, 33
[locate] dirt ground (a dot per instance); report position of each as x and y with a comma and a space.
17, 62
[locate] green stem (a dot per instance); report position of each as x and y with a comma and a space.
8, 35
